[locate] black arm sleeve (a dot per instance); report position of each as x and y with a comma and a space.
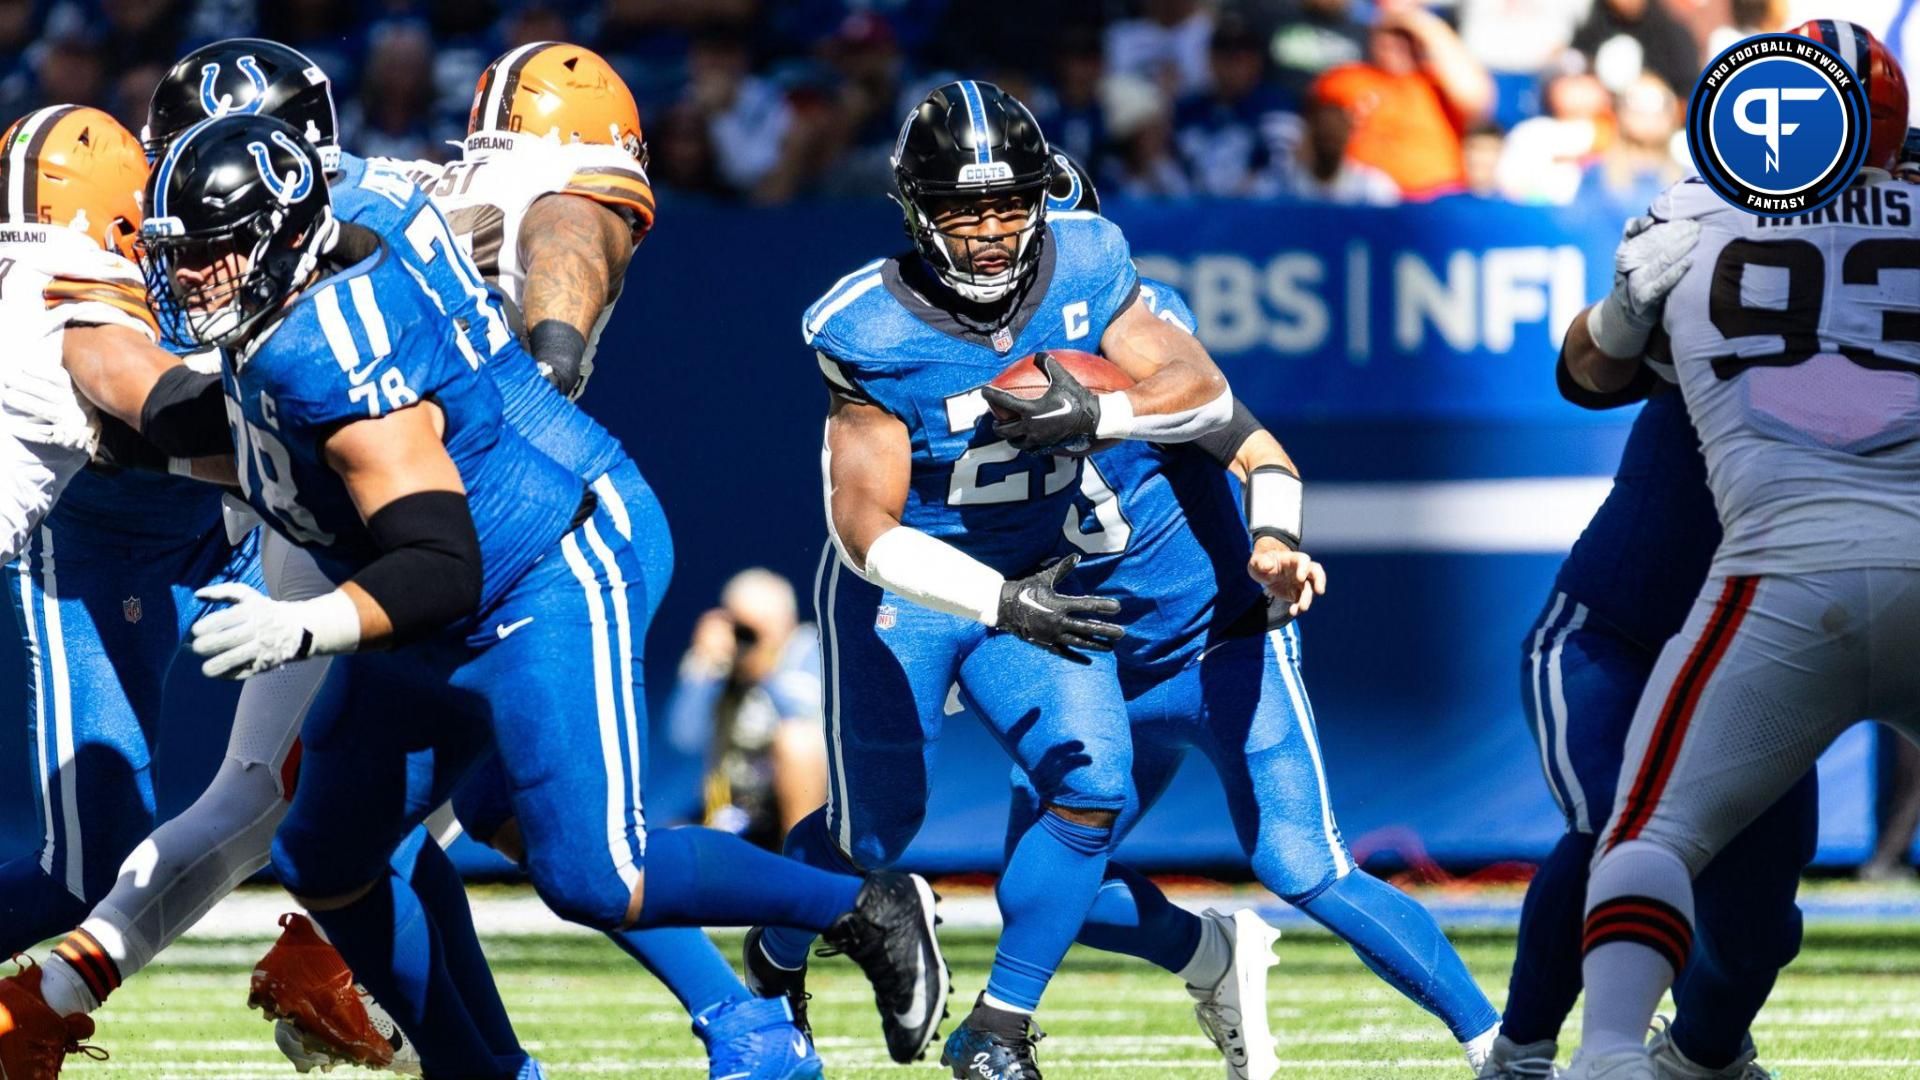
560, 350
428, 573
1223, 444
185, 415
1637, 390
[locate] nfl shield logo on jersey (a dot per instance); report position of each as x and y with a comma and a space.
885, 617
130, 607
1778, 124
1003, 340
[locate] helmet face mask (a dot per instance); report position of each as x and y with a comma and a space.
981, 243
241, 216
210, 286
971, 172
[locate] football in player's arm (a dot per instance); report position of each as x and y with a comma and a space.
1178, 395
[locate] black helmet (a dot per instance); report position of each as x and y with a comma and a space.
244, 75
967, 139
229, 189
1072, 186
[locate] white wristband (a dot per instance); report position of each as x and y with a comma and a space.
934, 574
1275, 505
1116, 416
332, 620
1615, 333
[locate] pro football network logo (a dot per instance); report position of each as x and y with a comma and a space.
1778, 125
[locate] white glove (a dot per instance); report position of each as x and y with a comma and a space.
1652, 258
255, 634
38, 405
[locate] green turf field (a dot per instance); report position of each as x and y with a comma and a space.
1850, 1008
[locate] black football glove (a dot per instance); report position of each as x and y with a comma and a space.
1061, 420
1031, 610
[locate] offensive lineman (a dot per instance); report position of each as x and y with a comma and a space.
939, 518
1801, 386
324, 1017
392, 466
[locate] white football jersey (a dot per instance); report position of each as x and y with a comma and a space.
485, 197
1796, 342
51, 277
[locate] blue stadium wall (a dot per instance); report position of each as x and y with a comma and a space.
1404, 355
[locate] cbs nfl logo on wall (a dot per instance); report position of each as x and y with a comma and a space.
1778, 125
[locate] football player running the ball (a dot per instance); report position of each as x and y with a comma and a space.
943, 522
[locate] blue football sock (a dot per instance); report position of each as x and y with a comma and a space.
34, 906
1130, 915
811, 843
687, 963
394, 949
421, 862
1400, 942
704, 877
1546, 963
1044, 895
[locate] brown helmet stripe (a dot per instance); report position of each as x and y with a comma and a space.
506, 82
19, 163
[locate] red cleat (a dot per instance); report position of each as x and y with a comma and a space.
304, 985
35, 1040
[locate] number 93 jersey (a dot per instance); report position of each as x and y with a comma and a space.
880, 340
1796, 342
359, 344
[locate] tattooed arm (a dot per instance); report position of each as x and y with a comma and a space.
573, 250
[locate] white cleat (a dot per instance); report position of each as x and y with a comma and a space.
1618, 1065
306, 1055
1520, 1061
1233, 1013
1670, 1064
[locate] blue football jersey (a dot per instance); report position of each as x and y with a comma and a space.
1642, 558
1160, 529
386, 201
878, 339
357, 344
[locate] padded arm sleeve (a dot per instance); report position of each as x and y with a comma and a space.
428, 573
185, 415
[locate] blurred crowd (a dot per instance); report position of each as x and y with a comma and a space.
1353, 101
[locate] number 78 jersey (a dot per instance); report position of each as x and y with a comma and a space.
1796, 342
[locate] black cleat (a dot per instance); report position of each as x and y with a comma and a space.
889, 933
768, 979
993, 1044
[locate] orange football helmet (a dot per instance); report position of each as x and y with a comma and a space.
550, 87
74, 166
1885, 83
